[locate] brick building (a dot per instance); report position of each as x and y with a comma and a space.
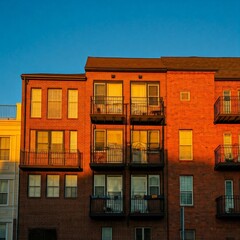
10, 124
119, 151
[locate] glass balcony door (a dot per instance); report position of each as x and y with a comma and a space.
229, 202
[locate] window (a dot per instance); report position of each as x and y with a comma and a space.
108, 97
229, 198
36, 102
108, 146
188, 235
34, 185
4, 148
73, 141
154, 184
54, 103
52, 185
110, 186
144, 98
227, 101
71, 186
42, 234
227, 142
186, 190
3, 231
185, 145
49, 141
144, 142
106, 233
72, 103
142, 185
3, 192
143, 234
185, 96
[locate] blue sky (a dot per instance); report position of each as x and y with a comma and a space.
57, 36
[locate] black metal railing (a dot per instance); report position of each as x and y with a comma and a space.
51, 159
147, 156
8, 111
106, 206
227, 107
107, 105
228, 206
106, 155
147, 106
227, 154
148, 205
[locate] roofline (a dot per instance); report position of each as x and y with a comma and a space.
115, 69
52, 76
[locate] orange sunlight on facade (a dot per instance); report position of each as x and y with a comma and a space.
122, 148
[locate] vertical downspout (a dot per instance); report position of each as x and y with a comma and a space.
23, 118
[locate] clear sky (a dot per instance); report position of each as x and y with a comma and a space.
57, 36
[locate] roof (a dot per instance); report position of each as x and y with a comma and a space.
124, 64
225, 67
52, 76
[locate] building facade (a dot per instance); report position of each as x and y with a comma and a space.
10, 124
123, 150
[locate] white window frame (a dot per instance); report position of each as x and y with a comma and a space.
36, 103
73, 141
53, 186
71, 186
34, 185
7, 157
186, 188
183, 144
72, 103
4, 192
54, 103
106, 233
4, 230
189, 234
143, 229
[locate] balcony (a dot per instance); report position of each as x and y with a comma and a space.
109, 110
106, 207
51, 160
227, 157
108, 158
147, 111
227, 110
148, 206
142, 158
228, 207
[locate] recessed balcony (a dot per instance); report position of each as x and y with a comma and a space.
109, 110
147, 206
147, 111
107, 206
111, 158
227, 110
51, 160
150, 158
228, 206
227, 157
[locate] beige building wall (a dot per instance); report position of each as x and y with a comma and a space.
10, 126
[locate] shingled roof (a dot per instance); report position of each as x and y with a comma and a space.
225, 67
124, 64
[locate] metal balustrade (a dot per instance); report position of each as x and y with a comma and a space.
227, 157
227, 110
228, 206
65, 159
